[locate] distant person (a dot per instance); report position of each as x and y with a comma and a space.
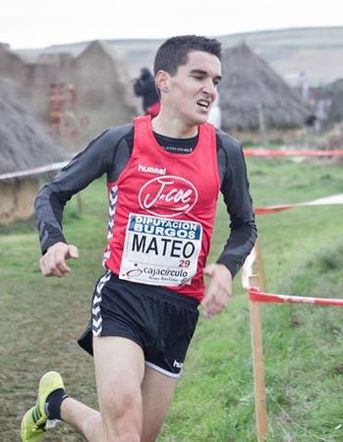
72, 98
56, 104
164, 176
71, 120
304, 86
310, 121
145, 87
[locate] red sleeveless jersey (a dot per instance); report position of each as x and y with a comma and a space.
162, 210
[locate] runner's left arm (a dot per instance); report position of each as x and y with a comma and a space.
236, 195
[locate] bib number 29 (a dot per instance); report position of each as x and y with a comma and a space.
184, 263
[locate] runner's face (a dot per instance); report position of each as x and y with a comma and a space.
193, 88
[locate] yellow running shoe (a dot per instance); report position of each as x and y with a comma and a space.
34, 423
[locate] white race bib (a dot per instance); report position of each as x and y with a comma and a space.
160, 251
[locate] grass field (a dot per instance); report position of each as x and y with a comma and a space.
303, 347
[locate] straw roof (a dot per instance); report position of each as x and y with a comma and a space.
99, 74
103, 90
251, 90
23, 143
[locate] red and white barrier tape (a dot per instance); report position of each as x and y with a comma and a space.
261, 152
247, 269
257, 296
334, 199
35, 171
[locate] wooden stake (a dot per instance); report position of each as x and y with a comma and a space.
79, 203
259, 281
258, 367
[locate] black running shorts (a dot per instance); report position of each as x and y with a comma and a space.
160, 321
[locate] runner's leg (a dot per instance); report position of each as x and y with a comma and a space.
84, 419
157, 391
119, 370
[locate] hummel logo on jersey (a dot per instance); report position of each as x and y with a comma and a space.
150, 169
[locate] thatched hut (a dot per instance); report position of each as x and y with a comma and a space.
96, 73
23, 146
11, 64
103, 87
252, 94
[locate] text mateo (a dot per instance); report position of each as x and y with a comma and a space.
163, 246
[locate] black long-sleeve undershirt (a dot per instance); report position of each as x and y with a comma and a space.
109, 153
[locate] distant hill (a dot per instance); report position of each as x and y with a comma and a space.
318, 52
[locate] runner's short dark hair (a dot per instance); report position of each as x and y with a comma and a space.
174, 51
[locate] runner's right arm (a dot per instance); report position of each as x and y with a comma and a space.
108, 153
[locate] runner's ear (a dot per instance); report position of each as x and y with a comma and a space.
162, 81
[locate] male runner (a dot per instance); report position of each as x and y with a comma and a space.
163, 176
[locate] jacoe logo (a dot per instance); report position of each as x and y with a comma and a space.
169, 196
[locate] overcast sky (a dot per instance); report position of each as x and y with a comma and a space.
40, 23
